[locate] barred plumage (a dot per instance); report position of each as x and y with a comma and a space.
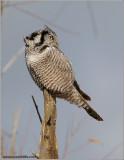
50, 69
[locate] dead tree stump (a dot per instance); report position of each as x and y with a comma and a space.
48, 142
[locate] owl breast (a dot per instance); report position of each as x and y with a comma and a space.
34, 57
51, 70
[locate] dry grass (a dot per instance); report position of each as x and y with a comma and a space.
4, 132
112, 151
13, 135
24, 137
92, 17
12, 60
46, 21
2, 153
95, 140
14, 131
73, 133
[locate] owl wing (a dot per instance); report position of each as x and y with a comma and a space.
54, 71
84, 95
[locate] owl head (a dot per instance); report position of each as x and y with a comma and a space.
41, 38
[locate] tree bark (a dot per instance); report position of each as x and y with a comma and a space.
48, 142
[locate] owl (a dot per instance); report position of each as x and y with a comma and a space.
51, 70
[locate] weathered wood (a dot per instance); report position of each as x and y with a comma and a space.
48, 142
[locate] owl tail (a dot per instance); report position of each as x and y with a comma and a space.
75, 97
86, 106
92, 113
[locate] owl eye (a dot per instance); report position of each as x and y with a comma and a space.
51, 37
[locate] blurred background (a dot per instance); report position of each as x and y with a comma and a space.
90, 34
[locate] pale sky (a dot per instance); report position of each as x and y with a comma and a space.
93, 43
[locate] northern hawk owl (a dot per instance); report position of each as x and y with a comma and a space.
51, 69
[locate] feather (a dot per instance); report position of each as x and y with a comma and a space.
84, 95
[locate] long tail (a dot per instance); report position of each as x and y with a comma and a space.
92, 113
75, 97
